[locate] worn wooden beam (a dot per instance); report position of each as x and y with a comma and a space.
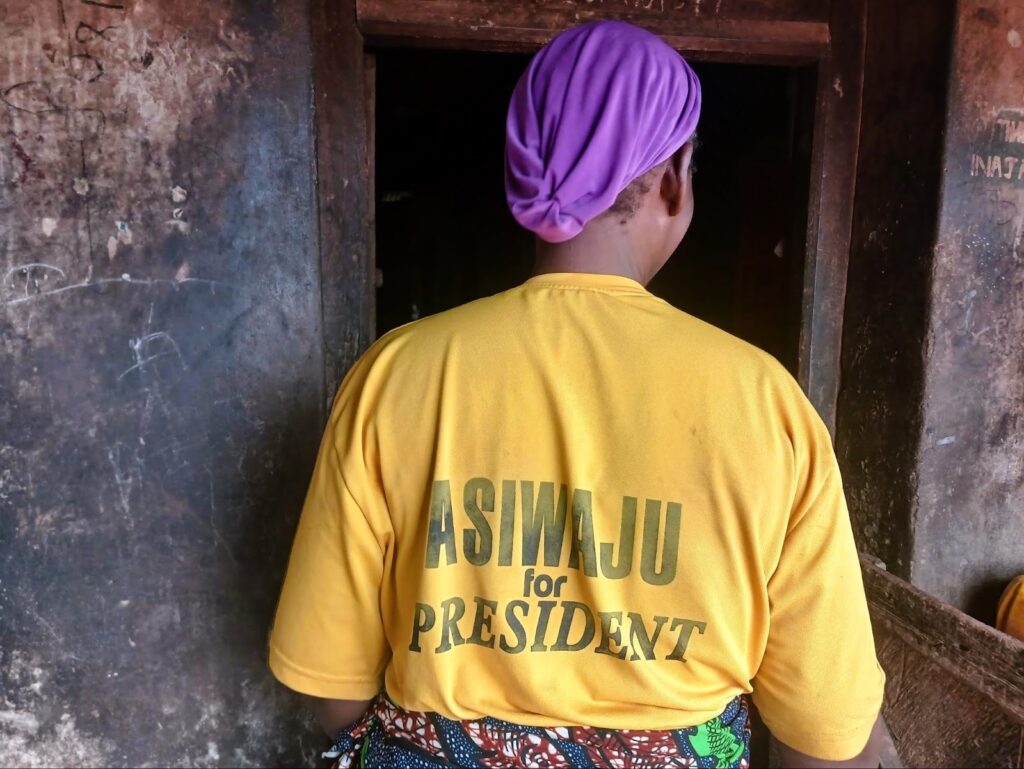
955, 686
900, 170
833, 173
768, 34
344, 187
984, 658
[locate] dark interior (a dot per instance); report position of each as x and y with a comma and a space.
445, 236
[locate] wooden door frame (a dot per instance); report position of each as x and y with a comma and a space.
343, 100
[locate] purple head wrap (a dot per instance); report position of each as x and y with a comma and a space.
600, 105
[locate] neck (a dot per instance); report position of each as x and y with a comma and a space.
600, 250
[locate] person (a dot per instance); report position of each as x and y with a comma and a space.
1010, 613
569, 524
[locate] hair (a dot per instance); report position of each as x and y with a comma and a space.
627, 203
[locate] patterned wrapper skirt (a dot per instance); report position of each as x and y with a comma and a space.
388, 736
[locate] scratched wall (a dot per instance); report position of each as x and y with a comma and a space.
970, 519
161, 375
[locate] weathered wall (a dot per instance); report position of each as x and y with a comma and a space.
895, 218
931, 410
969, 528
161, 375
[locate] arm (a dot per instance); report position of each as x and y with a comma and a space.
328, 639
335, 715
818, 687
786, 757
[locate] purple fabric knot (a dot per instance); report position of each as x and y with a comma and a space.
600, 105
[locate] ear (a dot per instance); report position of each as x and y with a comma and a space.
675, 182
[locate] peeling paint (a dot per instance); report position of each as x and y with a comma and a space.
122, 236
179, 225
30, 739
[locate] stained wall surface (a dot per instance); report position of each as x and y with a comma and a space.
899, 173
161, 375
931, 409
969, 523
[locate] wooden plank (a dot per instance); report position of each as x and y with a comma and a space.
954, 692
370, 99
527, 26
834, 168
344, 187
906, 71
985, 659
814, 194
662, 11
937, 719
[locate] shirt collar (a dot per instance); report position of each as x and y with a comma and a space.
593, 280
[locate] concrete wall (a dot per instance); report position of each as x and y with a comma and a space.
931, 409
969, 526
161, 375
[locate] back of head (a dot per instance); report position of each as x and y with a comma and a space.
599, 106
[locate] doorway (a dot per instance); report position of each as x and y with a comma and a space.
444, 235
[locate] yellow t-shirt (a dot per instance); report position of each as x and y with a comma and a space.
573, 504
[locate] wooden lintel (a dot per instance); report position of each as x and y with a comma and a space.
524, 27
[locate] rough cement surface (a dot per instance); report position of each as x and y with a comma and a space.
160, 376
969, 528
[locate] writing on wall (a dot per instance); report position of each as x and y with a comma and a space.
999, 155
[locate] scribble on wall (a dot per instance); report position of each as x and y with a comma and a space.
160, 376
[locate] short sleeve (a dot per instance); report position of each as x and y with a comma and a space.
328, 637
819, 686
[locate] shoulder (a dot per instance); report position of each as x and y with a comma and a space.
735, 372
437, 330
425, 341
727, 357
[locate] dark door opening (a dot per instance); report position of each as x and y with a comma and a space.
444, 235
